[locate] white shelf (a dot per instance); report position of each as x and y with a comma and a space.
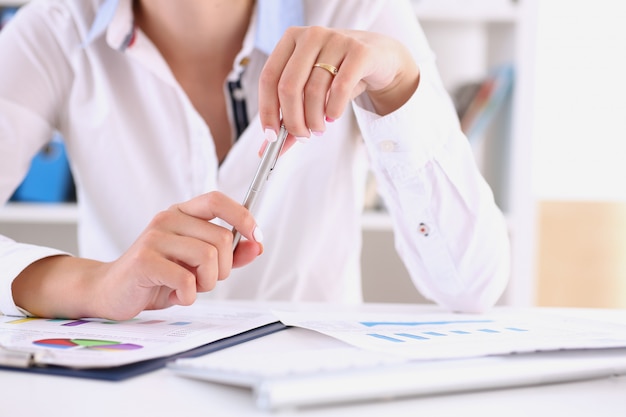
376, 221
39, 213
67, 213
12, 3
490, 11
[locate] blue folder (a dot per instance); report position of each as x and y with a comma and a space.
49, 178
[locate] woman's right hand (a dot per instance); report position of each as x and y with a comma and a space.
178, 255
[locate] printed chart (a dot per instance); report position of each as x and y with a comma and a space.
447, 336
418, 329
108, 345
101, 343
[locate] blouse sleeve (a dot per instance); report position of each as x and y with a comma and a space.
448, 230
30, 89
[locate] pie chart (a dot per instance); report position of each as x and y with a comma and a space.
86, 343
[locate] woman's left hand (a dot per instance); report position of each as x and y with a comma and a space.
305, 96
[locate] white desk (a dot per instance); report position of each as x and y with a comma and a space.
162, 393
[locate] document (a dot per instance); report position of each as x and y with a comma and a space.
335, 356
98, 343
449, 336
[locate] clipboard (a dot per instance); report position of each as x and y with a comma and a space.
123, 372
116, 350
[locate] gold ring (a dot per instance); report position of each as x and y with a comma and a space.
332, 69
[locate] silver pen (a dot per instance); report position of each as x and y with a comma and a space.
266, 166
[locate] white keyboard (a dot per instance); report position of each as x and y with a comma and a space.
252, 369
281, 375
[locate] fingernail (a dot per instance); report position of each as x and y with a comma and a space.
317, 132
330, 120
270, 135
257, 234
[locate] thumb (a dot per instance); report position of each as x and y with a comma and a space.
246, 252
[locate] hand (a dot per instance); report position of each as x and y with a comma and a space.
179, 254
308, 97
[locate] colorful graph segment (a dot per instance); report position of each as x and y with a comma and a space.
76, 323
151, 322
24, 320
117, 347
55, 343
86, 343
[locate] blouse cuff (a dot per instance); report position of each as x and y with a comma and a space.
405, 140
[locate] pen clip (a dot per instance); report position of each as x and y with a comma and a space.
282, 136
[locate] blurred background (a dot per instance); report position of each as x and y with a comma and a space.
556, 158
539, 88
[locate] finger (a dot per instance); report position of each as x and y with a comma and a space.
314, 98
262, 148
194, 241
206, 261
186, 269
294, 79
346, 84
291, 64
269, 102
317, 91
183, 287
184, 296
289, 142
166, 276
217, 205
245, 253
236, 215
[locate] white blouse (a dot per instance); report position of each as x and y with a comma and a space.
137, 145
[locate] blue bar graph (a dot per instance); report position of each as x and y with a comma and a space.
412, 336
420, 323
435, 333
383, 337
429, 335
516, 329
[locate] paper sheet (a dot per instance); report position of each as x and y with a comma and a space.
97, 343
439, 336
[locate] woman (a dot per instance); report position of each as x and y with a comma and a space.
168, 104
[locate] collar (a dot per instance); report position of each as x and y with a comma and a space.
274, 16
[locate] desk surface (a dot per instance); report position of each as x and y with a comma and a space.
162, 393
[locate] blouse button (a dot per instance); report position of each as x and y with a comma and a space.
239, 94
387, 146
423, 229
